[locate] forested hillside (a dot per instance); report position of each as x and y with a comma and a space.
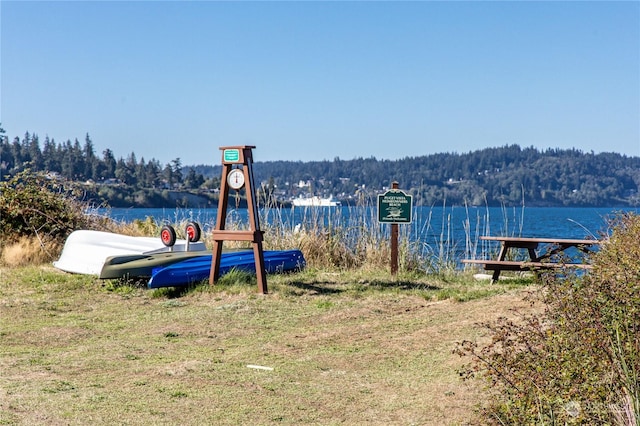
508, 175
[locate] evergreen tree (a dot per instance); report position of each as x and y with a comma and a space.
167, 174
109, 161
152, 174
31, 148
131, 165
123, 173
51, 161
91, 168
176, 167
15, 152
193, 180
140, 174
78, 161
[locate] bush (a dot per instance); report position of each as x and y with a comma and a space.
35, 206
578, 362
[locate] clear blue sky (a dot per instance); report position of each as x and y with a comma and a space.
320, 80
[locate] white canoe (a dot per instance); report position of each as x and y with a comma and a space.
85, 252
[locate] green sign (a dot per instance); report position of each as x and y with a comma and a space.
231, 155
394, 206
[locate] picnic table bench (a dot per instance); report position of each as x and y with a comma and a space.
546, 259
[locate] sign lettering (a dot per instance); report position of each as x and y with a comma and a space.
394, 206
231, 155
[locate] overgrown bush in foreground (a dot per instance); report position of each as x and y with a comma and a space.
33, 206
579, 361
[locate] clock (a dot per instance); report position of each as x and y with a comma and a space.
235, 179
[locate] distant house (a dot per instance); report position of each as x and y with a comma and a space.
111, 181
53, 176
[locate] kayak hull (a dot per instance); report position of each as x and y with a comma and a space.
141, 265
86, 251
198, 268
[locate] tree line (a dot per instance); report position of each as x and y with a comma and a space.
79, 162
508, 175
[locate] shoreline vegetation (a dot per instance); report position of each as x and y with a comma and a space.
342, 341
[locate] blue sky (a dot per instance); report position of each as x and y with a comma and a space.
319, 80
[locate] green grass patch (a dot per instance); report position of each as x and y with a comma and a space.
320, 348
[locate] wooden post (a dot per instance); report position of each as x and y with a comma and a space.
394, 241
240, 155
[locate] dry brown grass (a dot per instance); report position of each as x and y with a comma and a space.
79, 351
29, 251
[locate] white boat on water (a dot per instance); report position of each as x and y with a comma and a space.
316, 201
85, 251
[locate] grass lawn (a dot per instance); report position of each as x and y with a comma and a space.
320, 348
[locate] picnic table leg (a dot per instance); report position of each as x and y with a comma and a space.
501, 256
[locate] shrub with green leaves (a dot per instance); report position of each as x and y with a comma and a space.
578, 362
32, 204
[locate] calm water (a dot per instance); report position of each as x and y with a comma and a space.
455, 226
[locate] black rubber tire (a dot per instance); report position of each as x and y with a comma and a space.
193, 232
168, 235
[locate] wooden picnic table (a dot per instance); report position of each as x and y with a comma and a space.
546, 259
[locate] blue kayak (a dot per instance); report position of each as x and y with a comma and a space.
199, 268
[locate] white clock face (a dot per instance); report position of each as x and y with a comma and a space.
235, 179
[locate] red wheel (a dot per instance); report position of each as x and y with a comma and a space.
193, 232
168, 235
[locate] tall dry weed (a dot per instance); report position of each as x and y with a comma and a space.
29, 251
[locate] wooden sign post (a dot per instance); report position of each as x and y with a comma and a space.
237, 173
394, 207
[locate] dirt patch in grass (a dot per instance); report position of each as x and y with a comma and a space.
73, 352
